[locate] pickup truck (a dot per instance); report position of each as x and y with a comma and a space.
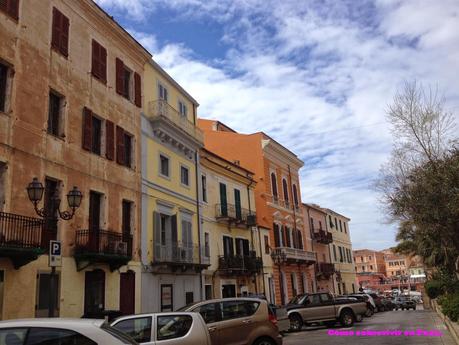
323, 308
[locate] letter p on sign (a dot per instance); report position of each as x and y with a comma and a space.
55, 255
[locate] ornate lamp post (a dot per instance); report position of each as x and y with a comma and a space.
279, 257
35, 191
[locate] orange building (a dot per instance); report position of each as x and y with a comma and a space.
278, 204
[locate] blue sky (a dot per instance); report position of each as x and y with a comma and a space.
315, 75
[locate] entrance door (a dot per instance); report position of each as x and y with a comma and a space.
43, 295
127, 293
223, 200
228, 290
94, 292
94, 220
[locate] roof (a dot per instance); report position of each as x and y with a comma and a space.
52, 322
336, 213
315, 207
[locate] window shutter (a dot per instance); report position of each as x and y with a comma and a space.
103, 63
65, 24
245, 246
95, 59
300, 240
110, 140
120, 159
276, 235
156, 235
87, 129
137, 90
4, 5
119, 77
56, 29
238, 246
13, 8
174, 228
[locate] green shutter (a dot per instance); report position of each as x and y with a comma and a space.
237, 202
223, 200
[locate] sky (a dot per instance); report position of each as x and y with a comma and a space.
317, 76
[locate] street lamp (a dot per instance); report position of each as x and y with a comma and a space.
35, 191
279, 257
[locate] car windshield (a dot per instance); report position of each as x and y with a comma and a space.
297, 299
118, 334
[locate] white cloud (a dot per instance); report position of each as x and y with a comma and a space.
317, 76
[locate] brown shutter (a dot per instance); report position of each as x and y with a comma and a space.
4, 6
120, 145
119, 76
103, 63
13, 8
110, 140
56, 29
137, 90
87, 129
95, 59
64, 46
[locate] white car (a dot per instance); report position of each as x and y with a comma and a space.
61, 331
174, 328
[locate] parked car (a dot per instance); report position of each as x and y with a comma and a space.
280, 312
238, 321
164, 328
378, 302
365, 298
61, 331
323, 308
388, 304
404, 303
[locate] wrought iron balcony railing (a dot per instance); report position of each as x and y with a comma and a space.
232, 214
21, 232
325, 270
103, 242
177, 252
293, 254
322, 236
240, 264
160, 109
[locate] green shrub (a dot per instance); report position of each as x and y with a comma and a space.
450, 306
441, 299
434, 288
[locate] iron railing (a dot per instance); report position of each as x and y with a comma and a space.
296, 254
21, 231
322, 236
325, 269
177, 252
240, 263
231, 213
160, 109
104, 242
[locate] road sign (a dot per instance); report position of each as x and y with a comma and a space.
55, 253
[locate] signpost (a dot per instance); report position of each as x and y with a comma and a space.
55, 260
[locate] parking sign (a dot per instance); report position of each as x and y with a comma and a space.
55, 254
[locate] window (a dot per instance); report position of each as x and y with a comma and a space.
128, 83
208, 312
242, 247
320, 225
5, 86
204, 187
312, 224
331, 222
236, 309
228, 249
295, 196
2, 187
184, 176
183, 109
340, 254
55, 336
266, 239
172, 327
285, 188
42, 299
371, 267
10, 7
162, 92
274, 186
344, 225
126, 217
206, 244
237, 204
189, 297
334, 252
340, 226
55, 114
369, 258
336, 223
137, 328
123, 147
92, 132
60, 33
164, 165
99, 62
277, 236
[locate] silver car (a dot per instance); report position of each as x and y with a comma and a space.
61, 331
165, 328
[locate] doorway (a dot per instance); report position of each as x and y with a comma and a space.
228, 290
94, 220
127, 293
43, 298
94, 292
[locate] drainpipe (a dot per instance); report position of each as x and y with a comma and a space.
251, 232
312, 246
198, 213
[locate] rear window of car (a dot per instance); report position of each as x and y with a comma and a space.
237, 309
173, 326
138, 328
12, 336
208, 312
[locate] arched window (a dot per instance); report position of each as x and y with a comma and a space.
274, 185
295, 196
285, 188
300, 240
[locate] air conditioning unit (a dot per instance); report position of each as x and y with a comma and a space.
251, 220
121, 248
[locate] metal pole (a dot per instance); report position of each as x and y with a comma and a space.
51, 295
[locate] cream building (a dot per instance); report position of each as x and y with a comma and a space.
345, 280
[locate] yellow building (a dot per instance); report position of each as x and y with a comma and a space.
231, 238
341, 253
171, 242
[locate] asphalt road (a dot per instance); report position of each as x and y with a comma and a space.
411, 320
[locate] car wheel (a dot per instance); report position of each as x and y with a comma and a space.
264, 341
347, 318
296, 322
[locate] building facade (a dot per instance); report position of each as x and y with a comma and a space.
231, 238
370, 267
341, 252
172, 249
70, 103
278, 205
323, 270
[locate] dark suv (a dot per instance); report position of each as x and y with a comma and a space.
404, 303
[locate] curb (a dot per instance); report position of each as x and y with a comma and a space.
452, 326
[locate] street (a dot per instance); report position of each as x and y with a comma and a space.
392, 320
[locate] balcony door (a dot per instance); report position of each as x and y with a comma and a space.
228, 249
187, 240
242, 247
165, 237
127, 293
94, 219
126, 222
237, 204
94, 292
50, 207
223, 200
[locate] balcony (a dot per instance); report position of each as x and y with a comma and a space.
275, 200
161, 111
322, 236
102, 246
324, 270
180, 255
22, 239
296, 255
230, 214
239, 264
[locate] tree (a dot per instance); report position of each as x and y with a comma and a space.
420, 183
